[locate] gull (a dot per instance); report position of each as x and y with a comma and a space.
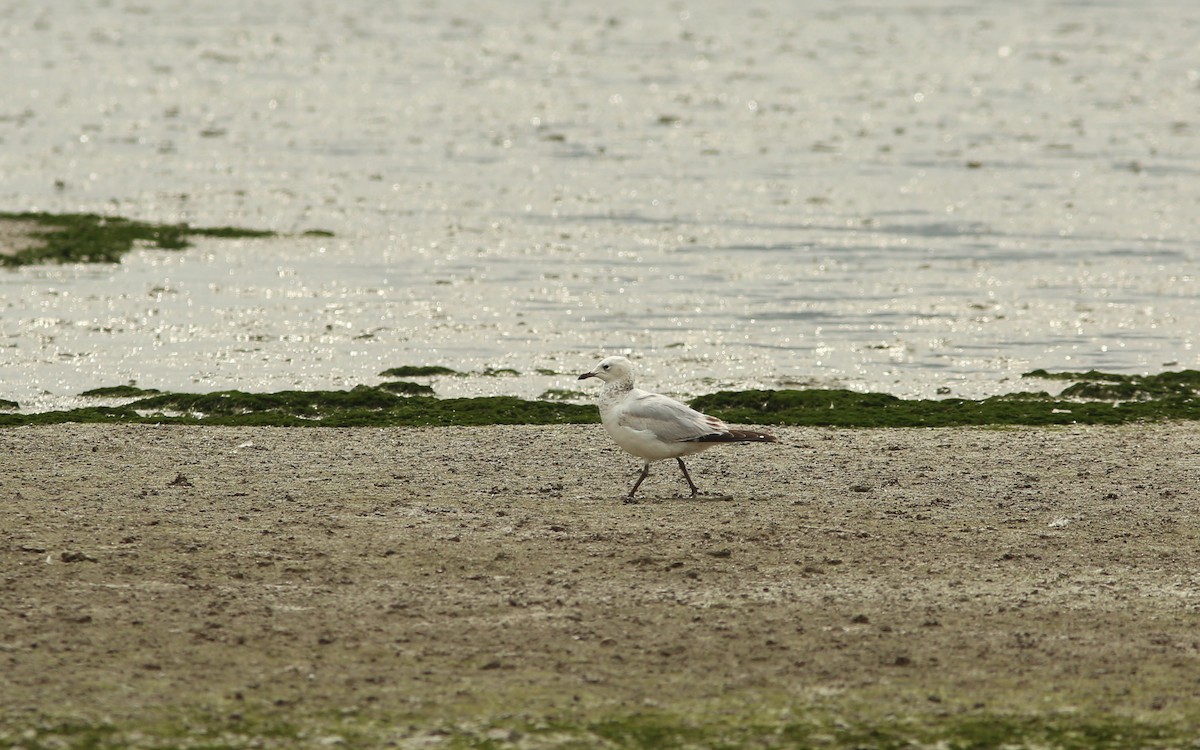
654, 427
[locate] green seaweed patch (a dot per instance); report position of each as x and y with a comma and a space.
406, 388
561, 394
1089, 375
290, 406
119, 391
91, 238
86, 415
403, 403
417, 371
6, 404
1103, 386
844, 408
317, 233
363, 406
509, 410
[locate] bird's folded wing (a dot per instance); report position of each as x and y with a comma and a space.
667, 419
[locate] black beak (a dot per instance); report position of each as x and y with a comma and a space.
587, 375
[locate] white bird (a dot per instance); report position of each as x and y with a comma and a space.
654, 427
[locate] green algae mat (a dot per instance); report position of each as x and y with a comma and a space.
39, 237
1092, 398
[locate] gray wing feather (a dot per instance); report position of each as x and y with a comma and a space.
668, 419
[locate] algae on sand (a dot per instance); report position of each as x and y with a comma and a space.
362, 406
1097, 398
1103, 386
91, 238
842, 408
417, 371
403, 403
119, 391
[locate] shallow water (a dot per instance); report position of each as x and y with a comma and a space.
899, 197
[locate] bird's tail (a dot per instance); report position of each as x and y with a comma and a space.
737, 436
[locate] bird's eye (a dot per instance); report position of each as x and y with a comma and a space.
604, 366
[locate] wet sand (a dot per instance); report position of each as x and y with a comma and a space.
414, 579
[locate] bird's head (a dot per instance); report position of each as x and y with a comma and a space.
610, 369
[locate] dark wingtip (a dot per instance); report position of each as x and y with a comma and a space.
752, 435
736, 436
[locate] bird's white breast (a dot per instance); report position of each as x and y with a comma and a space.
641, 443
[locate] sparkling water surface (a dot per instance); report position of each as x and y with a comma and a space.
911, 198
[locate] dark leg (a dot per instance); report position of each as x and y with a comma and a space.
638, 483
695, 489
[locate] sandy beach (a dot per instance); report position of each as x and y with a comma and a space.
412, 585
922, 200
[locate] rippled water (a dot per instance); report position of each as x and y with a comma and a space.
899, 197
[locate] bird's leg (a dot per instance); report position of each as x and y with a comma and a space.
638, 483
695, 489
